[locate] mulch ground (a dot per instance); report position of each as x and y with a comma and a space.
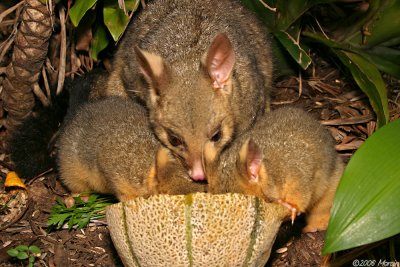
338, 103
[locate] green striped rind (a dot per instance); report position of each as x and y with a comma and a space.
254, 232
128, 241
269, 220
188, 222
195, 230
116, 219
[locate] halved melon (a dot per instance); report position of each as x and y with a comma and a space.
198, 229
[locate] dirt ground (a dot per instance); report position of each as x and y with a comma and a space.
337, 103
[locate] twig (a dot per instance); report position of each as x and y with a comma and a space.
8, 22
49, 5
63, 52
322, 30
349, 121
2, 70
5, 46
143, 2
38, 176
273, 9
39, 93
10, 10
48, 64
46, 83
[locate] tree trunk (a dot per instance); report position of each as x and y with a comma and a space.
29, 54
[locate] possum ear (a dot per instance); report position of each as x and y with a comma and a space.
154, 69
252, 157
219, 61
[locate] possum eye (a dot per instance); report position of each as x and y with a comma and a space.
216, 136
174, 140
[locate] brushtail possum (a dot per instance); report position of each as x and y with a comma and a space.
289, 158
108, 147
202, 67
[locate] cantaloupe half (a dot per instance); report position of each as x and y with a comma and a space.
194, 230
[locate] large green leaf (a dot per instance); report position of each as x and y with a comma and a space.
294, 49
79, 9
366, 207
369, 79
99, 41
386, 59
384, 26
115, 18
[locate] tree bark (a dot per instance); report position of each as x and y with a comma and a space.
29, 53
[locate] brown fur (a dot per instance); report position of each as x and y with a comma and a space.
288, 157
201, 67
108, 147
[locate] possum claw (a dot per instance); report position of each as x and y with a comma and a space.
291, 207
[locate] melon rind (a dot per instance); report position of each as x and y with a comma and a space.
198, 229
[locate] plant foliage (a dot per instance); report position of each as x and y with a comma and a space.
23, 252
110, 18
365, 39
366, 207
80, 214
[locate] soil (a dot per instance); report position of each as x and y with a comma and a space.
338, 104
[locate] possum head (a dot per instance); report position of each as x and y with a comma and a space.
189, 102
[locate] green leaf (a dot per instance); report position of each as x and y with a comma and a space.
84, 221
34, 249
116, 20
56, 219
81, 213
79, 9
22, 248
22, 255
132, 5
287, 12
368, 78
12, 252
386, 59
366, 205
264, 14
384, 26
294, 49
290, 11
99, 41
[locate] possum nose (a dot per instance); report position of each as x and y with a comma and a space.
196, 172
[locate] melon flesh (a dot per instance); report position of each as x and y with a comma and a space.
198, 229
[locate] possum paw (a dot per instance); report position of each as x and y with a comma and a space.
293, 209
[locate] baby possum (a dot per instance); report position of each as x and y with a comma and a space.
288, 158
108, 147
